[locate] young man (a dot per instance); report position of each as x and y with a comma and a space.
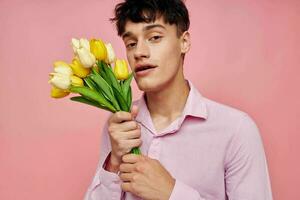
193, 148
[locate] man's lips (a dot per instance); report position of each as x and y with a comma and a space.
140, 67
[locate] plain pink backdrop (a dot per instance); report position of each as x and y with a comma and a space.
245, 53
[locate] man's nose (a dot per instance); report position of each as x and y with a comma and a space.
141, 50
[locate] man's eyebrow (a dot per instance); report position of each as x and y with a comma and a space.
146, 28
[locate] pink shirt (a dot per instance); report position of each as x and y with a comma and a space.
212, 150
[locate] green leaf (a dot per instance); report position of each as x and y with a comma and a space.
121, 100
111, 76
103, 73
90, 83
107, 90
127, 84
82, 99
94, 95
129, 97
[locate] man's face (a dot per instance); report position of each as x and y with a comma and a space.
154, 45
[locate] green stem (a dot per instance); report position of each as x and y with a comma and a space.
136, 150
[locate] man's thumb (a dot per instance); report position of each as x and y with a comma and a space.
134, 111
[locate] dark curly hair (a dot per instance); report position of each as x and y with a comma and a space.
172, 11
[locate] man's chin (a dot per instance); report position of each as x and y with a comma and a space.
146, 85
149, 88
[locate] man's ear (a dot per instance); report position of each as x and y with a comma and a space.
185, 42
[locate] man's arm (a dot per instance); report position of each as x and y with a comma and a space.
106, 182
246, 170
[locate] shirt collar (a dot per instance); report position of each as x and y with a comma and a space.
195, 106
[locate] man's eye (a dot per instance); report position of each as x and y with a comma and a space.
155, 38
130, 45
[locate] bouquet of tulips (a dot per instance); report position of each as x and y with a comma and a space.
92, 77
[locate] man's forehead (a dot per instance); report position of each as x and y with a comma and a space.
131, 27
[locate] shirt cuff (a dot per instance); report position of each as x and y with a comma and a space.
183, 191
105, 177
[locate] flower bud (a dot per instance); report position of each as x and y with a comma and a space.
62, 68
98, 49
84, 43
78, 69
86, 58
110, 53
58, 93
75, 45
121, 69
76, 81
61, 81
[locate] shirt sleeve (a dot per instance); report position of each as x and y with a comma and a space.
246, 170
183, 191
105, 185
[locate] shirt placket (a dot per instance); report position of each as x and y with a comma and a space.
155, 148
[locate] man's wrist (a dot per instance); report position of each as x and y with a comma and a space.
112, 165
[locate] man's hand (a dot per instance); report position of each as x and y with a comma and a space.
124, 133
145, 177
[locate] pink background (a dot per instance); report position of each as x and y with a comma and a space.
245, 53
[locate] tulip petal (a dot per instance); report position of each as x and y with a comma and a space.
98, 49
58, 93
60, 81
86, 58
78, 68
61, 69
111, 57
76, 81
75, 45
84, 43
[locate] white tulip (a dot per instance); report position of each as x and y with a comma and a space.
84, 43
78, 44
75, 45
61, 69
61, 81
111, 57
86, 58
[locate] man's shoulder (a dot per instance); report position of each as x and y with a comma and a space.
225, 113
216, 108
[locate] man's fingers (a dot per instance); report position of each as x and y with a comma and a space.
126, 177
121, 116
134, 134
128, 126
132, 158
126, 187
126, 168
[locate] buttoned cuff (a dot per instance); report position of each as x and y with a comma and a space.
183, 191
105, 177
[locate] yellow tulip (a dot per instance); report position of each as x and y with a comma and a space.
78, 68
58, 93
121, 69
98, 49
76, 81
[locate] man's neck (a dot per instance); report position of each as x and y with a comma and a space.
169, 102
